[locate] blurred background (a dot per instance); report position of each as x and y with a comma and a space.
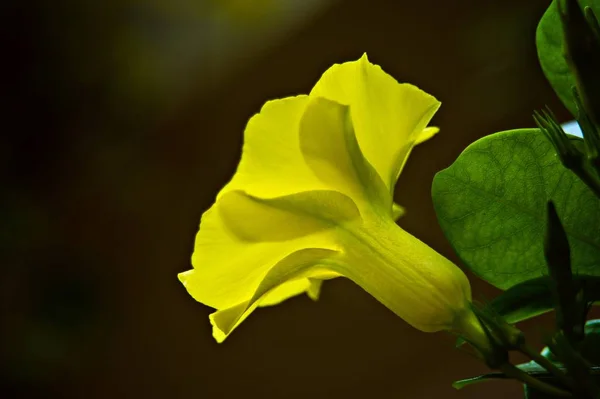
123, 119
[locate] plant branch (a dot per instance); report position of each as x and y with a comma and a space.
518, 374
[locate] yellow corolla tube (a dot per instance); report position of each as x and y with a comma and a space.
312, 199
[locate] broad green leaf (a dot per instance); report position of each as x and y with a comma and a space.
534, 297
549, 41
491, 205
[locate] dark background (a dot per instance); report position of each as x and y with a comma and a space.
109, 157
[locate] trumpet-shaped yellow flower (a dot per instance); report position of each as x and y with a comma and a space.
312, 199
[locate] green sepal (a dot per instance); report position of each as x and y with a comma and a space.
570, 305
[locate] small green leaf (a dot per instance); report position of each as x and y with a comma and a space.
491, 205
524, 301
534, 297
460, 384
531, 368
550, 46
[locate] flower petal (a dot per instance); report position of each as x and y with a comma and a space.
296, 267
396, 268
427, 133
397, 211
253, 219
242, 237
272, 164
285, 291
311, 285
330, 149
389, 118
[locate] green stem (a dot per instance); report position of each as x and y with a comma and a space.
516, 373
547, 364
577, 366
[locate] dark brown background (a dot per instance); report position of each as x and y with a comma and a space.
103, 190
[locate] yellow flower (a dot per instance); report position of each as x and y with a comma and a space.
312, 199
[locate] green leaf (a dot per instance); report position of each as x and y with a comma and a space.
524, 301
534, 297
491, 205
460, 384
549, 41
531, 368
